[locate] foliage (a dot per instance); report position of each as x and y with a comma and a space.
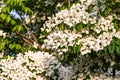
80, 36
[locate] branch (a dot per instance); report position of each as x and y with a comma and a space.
24, 38
32, 35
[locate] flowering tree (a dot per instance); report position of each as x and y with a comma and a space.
58, 40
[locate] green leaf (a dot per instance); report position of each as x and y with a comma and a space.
79, 26
15, 46
9, 1
24, 64
34, 70
18, 46
118, 49
3, 16
74, 49
6, 41
111, 48
18, 28
12, 46
105, 50
5, 10
18, 1
13, 22
33, 78
5, 57
27, 10
8, 19
1, 45
90, 8
117, 42
109, 10
116, 26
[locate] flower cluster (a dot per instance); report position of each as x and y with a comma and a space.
31, 65
91, 43
76, 14
59, 41
102, 34
104, 26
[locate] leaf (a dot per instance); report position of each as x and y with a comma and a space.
27, 10
117, 42
20, 28
12, 46
1, 45
24, 64
116, 26
90, 8
111, 48
34, 70
17, 28
3, 16
13, 22
118, 49
17, 2
79, 27
6, 41
105, 50
5, 57
15, 46
74, 49
18, 46
5, 10
8, 1
8, 19
33, 78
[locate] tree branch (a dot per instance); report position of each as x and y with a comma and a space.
24, 38
32, 35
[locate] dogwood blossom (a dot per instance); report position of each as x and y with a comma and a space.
26, 66
59, 41
76, 14
102, 35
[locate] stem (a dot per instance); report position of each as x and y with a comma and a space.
68, 3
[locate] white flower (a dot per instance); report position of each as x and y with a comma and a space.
2, 33
35, 45
102, 7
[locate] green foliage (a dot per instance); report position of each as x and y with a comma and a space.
3, 43
111, 48
11, 25
3, 16
18, 28
15, 46
90, 8
2, 46
14, 42
114, 47
79, 27
116, 24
